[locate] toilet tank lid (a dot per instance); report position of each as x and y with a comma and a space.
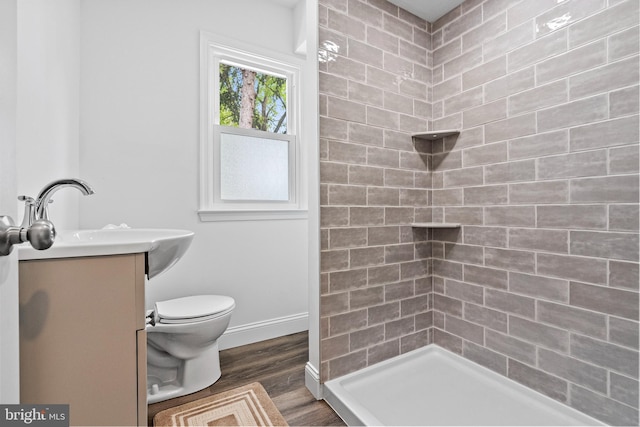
193, 306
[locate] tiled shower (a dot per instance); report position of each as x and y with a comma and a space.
540, 281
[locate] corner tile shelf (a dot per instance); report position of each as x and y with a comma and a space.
436, 134
436, 225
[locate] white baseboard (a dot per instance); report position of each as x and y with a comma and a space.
264, 330
312, 381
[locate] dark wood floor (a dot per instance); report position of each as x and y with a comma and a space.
278, 364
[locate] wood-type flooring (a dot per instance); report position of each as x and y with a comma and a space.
278, 364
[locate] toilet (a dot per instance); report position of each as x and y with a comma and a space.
182, 344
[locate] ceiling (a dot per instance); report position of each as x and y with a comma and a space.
429, 10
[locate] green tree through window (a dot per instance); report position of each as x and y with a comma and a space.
253, 100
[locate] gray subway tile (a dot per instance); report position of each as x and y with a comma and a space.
573, 370
486, 72
447, 305
512, 171
616, 302
485, 357
514, 216
347, 195
447, 197
574, 113
365, 216
485, 236
572, 62
602, 408
364, 134
624, 332
464, 62
464, 291
623, 189
572, 216
540, 97
602, 244
366, 337
485, 154
537, 333
538, 380
452, 270
604, 134
510, 346
513, 127
624, 160
546, 192
539, 287
348, 363
508, 41
611, 20
383, 313
541, 144
539, 239
508, 259
485, 276
447, 341
624, 102
365, 175
366, 257
604, 79
584, 269
347, 153
381, 157
383, 351
486, 113
486, 195
624, 43
606, 355
590, 163
462, 328
509, 84
465, 215
510, 303
624, 389
347, 237
463, 101
463, 253
445, 161
525, 11
486, 317
547, 46
463, 177
566, 14
623, 275
573, 319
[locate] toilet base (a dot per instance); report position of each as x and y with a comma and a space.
169, 377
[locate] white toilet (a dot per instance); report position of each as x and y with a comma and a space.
182, 344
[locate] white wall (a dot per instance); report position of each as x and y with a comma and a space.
139, 125
48, 102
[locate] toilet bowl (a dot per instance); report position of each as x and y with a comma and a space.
182, 344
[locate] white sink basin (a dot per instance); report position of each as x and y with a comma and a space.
163, 247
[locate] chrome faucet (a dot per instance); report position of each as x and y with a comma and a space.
41, 202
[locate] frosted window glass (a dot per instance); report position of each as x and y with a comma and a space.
253, 168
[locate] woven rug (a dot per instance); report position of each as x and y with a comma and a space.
243, 406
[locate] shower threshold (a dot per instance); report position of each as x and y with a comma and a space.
433, 386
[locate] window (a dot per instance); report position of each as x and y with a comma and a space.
249, 147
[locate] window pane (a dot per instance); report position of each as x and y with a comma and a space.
253, 168
252, 100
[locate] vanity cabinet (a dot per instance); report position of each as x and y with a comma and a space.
83, 339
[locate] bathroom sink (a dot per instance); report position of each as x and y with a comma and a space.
164, 247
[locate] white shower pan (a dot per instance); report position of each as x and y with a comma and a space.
433, 386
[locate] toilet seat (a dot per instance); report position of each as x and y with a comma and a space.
191, 309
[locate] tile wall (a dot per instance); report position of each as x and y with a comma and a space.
375, 280
541, 281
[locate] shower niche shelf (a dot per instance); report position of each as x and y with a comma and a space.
435, 134
435, 225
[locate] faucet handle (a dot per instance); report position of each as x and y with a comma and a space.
29, 211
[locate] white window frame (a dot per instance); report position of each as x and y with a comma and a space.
213, 50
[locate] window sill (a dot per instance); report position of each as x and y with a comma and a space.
252, 215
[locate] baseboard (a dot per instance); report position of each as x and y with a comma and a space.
312, 381
264, 330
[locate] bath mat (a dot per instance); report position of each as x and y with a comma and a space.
249, 405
